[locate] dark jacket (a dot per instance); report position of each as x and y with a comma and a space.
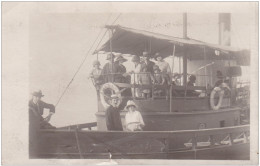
148, 66
40, 106
119, 70
113, 119
107, 72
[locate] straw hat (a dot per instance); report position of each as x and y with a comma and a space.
192, 78
96, 62
130, 103
37, 93
219, 74
145, 54
121, 58
114, 96
157, 55
109, 56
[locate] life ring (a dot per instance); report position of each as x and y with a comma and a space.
106, 91
220, 91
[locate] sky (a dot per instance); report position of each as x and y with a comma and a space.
58, 38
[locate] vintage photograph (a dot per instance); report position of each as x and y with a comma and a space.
124, 84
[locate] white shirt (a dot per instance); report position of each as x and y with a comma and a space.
95, 73
135, 76
133, 119
164, 67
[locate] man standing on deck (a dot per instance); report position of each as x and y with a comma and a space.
107, 72
36, 121
113, 119
36, 108
147, 64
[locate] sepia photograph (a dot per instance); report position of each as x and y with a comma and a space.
112, 82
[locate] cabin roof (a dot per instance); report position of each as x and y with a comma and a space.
133, 41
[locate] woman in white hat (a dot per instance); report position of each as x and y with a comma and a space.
164, 67
133, 118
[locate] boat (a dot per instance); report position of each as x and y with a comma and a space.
212, 125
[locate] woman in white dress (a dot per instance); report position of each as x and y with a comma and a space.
135, 77
133, 118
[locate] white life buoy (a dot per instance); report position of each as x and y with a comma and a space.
106, 91
220, 91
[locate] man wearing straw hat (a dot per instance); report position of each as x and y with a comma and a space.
113, 119
36, 108
120, 69
107, 71
147, 63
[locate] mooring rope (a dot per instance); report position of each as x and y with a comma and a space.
86, 58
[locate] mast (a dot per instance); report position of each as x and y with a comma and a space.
185, 52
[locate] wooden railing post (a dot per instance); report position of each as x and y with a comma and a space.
245, 137
230, 139
212, 140
194, 142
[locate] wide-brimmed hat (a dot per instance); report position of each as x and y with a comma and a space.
156, 55
192, 78
114, 96
219, 74
109, 56
121, 58
37, 93
156, 67
130, 103
146, 54
96, 62
136, 58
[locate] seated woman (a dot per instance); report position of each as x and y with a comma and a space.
133, 118
191, 82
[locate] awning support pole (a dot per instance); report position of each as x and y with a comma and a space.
185, 55
173, 56
185, 51
205, 68
112, 57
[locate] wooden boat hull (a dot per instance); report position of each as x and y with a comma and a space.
235, 152
144, 144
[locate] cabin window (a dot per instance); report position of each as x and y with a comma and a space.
202, 126
222, 123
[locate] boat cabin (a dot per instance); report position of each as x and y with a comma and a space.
189, 98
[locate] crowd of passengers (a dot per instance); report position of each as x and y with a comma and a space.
143, 68
145, 72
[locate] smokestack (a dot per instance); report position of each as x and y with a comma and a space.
185, 36
224, 29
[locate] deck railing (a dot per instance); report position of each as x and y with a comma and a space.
141, 82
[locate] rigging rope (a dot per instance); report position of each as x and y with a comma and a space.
86, 58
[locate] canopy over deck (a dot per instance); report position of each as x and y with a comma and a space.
132, 41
